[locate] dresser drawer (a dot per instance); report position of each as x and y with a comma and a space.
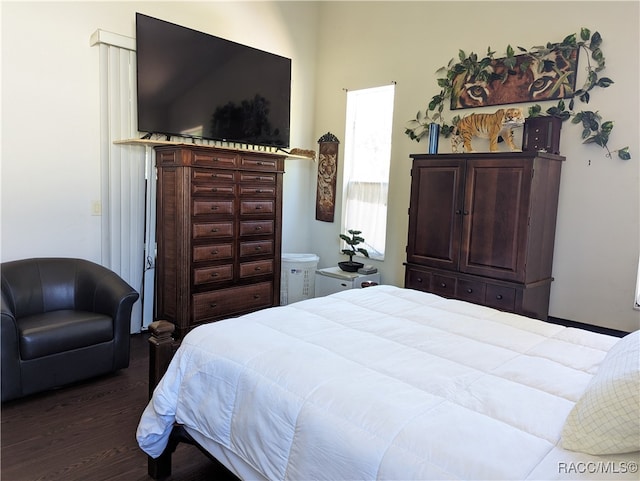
262, 207
443, 285
208, 176
212, 252
258, 163
471, 291
227, 302
500, 297
209, 207
212, 230
215, 159
204, 275
256, 227
257, 190
259, 177
256, 268
212, 189
256, 248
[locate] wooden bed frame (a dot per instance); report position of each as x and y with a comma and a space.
162, 347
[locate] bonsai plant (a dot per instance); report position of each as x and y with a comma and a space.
352, 242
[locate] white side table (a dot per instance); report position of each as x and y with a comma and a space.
334, 279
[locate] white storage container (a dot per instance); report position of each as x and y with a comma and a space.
297, 280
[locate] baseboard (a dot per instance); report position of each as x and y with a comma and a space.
588, 327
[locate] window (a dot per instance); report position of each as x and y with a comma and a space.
367, 162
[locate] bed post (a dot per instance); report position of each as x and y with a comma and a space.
162, 347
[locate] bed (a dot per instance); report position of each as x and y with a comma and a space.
396, 384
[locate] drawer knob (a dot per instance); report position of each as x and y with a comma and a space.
215, 229
214, 274
469, 290
213, 253
214, 189
258, 248
258, 227
419, 279
213, 305
499, 297
258, 207
214, 207
256, 296
258, 268
443, 284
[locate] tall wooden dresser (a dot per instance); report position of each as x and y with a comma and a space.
482, 228
218, 229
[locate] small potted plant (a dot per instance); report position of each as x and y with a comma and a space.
352, 242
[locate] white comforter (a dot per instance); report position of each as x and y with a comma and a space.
383, 383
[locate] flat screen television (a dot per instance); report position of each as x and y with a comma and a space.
192, 84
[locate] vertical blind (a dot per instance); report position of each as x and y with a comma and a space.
124, 169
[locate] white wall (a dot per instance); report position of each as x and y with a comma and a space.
50, 111
366, 44
50, 132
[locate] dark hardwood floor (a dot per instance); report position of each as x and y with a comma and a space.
86, 432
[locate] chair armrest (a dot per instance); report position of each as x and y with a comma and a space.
102, 290
9, 353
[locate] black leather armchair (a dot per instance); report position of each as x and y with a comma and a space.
63, 320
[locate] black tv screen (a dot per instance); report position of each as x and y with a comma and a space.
193, 84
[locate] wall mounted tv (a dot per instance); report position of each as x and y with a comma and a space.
196, 85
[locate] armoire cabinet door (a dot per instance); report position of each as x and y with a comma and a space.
435, 215
495, 214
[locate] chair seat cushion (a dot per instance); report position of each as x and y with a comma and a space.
58, 331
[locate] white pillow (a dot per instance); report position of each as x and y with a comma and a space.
606, 419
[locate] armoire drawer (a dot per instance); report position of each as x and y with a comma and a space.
500, 297
419, 280
226, 302
470, 290
444, 286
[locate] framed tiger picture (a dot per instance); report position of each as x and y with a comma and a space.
522, 78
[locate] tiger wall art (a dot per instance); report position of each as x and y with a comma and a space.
552, 76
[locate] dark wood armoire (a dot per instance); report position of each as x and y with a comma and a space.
482, 228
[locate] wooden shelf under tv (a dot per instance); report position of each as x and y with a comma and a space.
256, 149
